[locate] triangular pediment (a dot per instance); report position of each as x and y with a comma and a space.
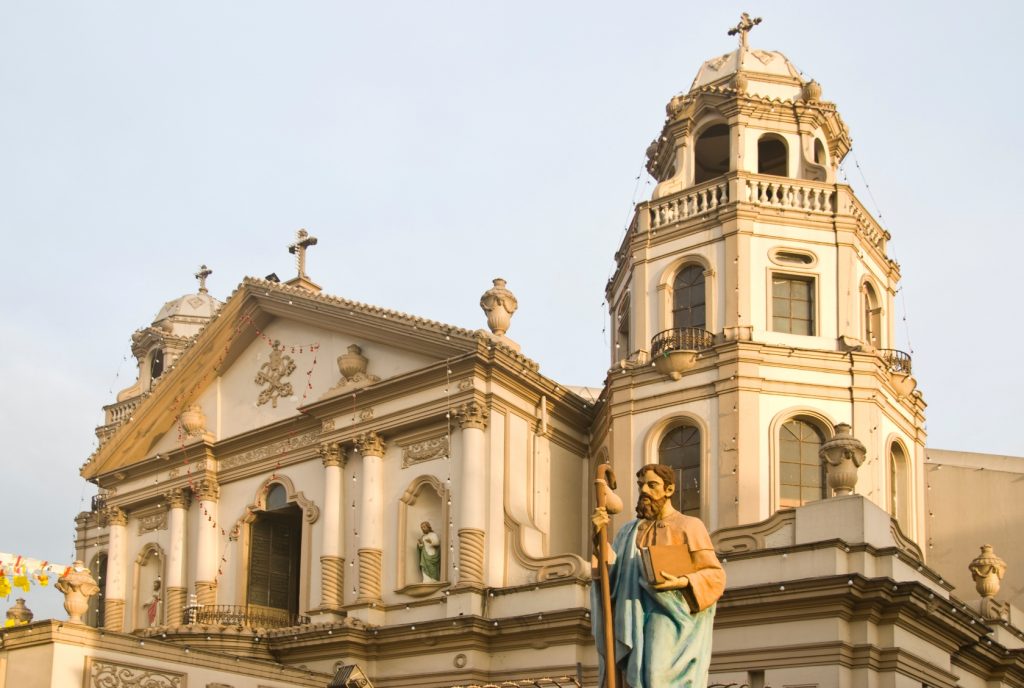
272, 350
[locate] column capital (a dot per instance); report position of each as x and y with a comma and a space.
331, 454
115, 516
206, 489
472, 415
370, 443
176, 498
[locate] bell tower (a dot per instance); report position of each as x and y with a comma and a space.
752, 307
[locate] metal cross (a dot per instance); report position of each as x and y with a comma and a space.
203, 273
303, 240
743, 28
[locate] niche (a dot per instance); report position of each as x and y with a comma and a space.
425, 502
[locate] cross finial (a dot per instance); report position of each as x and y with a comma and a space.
303, 240
743, 28
203, 273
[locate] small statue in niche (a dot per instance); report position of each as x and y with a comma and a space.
429, 546
152, 606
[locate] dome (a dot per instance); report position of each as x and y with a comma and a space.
186, 315
769, 73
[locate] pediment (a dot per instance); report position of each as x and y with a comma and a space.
272, 350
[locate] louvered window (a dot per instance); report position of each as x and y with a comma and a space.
274, 559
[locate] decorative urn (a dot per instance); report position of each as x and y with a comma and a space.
499, 304
812, 90
193, 421
19, 614
353, 363
987, 570
78, 586
843, 455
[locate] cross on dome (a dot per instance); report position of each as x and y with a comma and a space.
743, 28
203, 273
303, 240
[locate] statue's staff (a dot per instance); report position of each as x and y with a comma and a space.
604, 483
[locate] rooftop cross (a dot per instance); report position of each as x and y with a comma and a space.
203, 273
302, 241
743, 28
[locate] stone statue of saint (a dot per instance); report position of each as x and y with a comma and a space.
429, 546
78, 586
152, 606
662, 631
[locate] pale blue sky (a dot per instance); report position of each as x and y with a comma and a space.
433, 146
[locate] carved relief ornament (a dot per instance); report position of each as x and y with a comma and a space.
273, 374
177, 498
115, 516
206, 490
427, 450
109, 674
331, 454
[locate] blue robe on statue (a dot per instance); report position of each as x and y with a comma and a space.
659, 642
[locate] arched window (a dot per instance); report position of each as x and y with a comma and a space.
772, 156
872, 317
801, 472
680, 450
156, 364
688, 301
711, 153
622, 348
899, 484
819, 152
274, 554
98, 568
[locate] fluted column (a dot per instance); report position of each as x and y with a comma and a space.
207, 493
176, 591
371, 517
472, 510
332, 564
117, 569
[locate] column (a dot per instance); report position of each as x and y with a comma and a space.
176, 591
472, 510
117, 568
371, 518
332, 564
207, 492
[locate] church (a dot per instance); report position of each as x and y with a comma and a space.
304, 490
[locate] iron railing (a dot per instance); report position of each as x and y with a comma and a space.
681, 339
241, 615
895, 361
98, 502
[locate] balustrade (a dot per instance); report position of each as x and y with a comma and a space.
681, 339
121, 411
790, 194
689, 204
241, 615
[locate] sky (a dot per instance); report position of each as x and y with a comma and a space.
431, 147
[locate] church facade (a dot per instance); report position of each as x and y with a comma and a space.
301, 483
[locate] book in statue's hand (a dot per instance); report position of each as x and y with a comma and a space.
672, 559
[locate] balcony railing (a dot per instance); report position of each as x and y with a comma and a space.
794, 194
895, 361
690, 203
122, 410
98, 502
241, 615
681, 339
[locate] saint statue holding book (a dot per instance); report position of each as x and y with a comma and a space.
664, 580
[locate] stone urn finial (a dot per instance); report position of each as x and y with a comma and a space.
843, 455
499, 304
353, 363
78, 586
987, 570
193, 421
812, 91
19, 614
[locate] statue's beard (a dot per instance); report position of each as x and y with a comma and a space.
649, 508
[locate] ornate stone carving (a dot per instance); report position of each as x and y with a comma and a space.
19, 614
292, 443
152, 519
472, 415
366, 414
206, 490
352, 367
331, 454
464, 384
370, 443
327, 425
427, 450
273, 374
114, 516
369, 575
193, 422
987, 570
498, 304
103, 673
177, 498
843, 455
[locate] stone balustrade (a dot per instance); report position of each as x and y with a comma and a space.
790, 194
121, 411
689, 203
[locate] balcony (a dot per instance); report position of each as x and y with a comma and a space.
244, 616
675, 351
897, 364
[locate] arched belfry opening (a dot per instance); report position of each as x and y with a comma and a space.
772, 156
711, 153
275, 538
872, 325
